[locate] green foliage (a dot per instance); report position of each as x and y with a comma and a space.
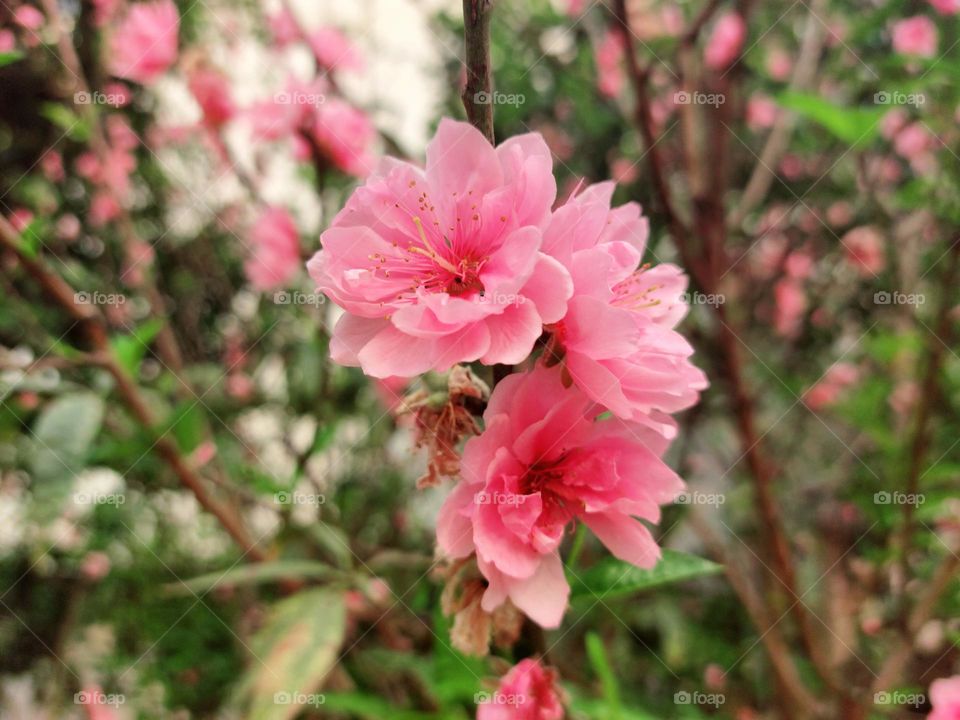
612, 578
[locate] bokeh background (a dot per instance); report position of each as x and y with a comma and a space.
199, 511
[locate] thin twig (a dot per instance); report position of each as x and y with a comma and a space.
477, 92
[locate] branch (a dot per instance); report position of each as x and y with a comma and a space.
62, 294
479, 85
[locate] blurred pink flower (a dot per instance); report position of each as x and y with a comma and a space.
912, 141
840, 213
726, 41
52, 166
283, 27
28, 17
798, 265
904, 397
333, 50
287, 112
946, 7
915, 35
624, 170
103, 208
761, 111
791, 304
144, 45
617, 339
8, 41
864, 250
779, 64
527, 692
443, 266
346, 136
211, 90
609, 58
543, 461
95, 566
20, 219
96, 706
575, 8
828, 390
275, 257
945, 698
893, 122
104, 11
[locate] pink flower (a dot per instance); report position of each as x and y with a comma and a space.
946, 7
779, 64
284, 28
864, 250
288, 112
52, 166
345, 135
28, 17
726, 41
95, 704
617, 339
8, 41
333, 50
945, 698
915, 35
543, 461
104, 10
828, 390
791, 304
145, 43
761, 111
443, 266
575, 8
912, 141
609, 57
276, 250
212, 92
527, 692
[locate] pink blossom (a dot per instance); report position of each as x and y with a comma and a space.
145, 43
946, 7
828, 390
527, 692
575, 8
333, 50
118, 92
288, 112
103, 209
761, 111
864, 250
791, 304
617, 339
95, 566
95, 704
840, 213
29, 18
779, 64
284, 27
443, 265
915, 35
609, 59
798, 265
893, 122
912, 141
945, 698
542, 461
212, 92
52, 166
726, 41
276, 250
8, 41
346, 136
20, 219
104, 11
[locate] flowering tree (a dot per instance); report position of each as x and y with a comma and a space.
664, 323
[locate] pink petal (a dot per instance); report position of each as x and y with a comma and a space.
626, 538
549, 288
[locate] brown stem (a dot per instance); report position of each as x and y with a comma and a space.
62, 294
477, 92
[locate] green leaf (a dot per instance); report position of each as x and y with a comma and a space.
62, 437
293, 653
8, 58
614, 578
857, 126
131, 349
67, 120
254, 574
601, 666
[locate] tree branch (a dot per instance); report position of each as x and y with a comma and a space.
477, 92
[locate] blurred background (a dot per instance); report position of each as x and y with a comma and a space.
202, 517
